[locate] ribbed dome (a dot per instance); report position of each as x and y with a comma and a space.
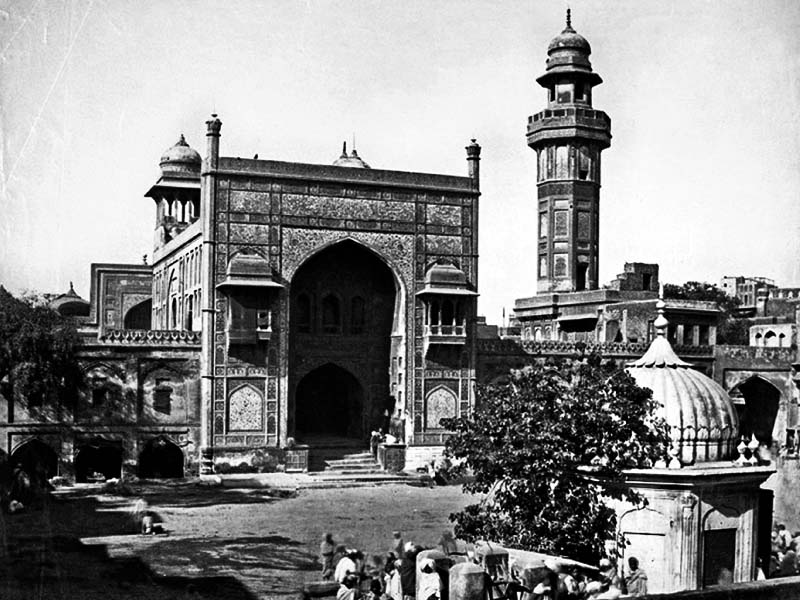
180, 158
703, 422
353, 160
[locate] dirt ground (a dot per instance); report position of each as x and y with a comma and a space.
221, 543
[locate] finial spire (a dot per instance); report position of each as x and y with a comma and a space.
569, 18
344, 149
71, 289
661, 322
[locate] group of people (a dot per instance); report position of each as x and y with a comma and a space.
394, 576
783, 560
559, 583
390, 576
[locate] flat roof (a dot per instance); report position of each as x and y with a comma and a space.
345, 175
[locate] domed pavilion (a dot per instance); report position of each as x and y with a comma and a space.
704, 506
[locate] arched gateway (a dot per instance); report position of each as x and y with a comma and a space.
343, 310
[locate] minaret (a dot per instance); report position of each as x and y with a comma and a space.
568, 137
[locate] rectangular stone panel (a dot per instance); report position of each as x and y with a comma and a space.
584, 225
249, 201
444, 215
561, 223
249, 233
443, 244
327, 207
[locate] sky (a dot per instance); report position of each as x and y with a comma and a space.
702, 176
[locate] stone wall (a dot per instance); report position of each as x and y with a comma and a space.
132, 394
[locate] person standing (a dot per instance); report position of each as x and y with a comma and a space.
346, 566
408, 572
397, 544
636, 581
430, 583
326, 549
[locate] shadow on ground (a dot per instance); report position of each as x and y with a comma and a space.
42, 555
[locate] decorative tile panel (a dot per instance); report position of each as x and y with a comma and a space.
246, 410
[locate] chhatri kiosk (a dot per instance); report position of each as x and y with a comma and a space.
700, 525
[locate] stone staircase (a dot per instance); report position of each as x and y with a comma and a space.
341, 463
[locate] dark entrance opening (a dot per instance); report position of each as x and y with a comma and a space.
719, 555
98, 459
38, 460
760, 408
343, 309
329, 401
138, 317
160, 459
580, 276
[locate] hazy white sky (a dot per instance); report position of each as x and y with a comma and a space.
702, 176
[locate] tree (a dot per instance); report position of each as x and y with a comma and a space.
38, 362
546, 447
731, 330
696, 290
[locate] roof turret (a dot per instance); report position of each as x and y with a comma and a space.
180, 158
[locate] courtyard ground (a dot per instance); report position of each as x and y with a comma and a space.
221, 543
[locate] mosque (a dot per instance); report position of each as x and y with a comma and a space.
290, 309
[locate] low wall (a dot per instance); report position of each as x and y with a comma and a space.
421, 456
785, 588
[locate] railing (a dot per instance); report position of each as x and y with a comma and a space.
568, 347
557, 113
445, 330
165, 337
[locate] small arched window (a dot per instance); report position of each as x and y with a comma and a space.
331, 314
357, 316
303, 314
562, 162
770, 339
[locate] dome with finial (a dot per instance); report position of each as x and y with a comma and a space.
568, 54
569, 39
353, 160
703, 422
180, 158
70, 304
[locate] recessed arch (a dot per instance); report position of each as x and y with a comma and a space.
329, 401
759, 411
139, 315
331, 277
37, 458
161, 458
98, 458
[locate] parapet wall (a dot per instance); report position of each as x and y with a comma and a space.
786, 588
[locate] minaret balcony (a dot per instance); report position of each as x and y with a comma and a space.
569, 122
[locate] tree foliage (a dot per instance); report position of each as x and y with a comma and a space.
731, 330
38, 360
546, 447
